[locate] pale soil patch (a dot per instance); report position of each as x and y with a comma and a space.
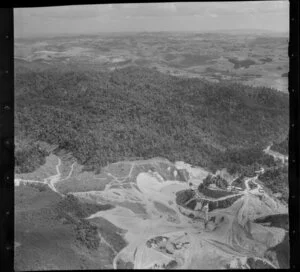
271, 236
142, 211
208, 257
137, 208
83, 183
163, 208
119, 170
67, 168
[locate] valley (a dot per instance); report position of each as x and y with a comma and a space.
245, 58
164, 150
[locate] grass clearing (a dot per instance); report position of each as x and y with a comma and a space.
84, 182
44, 171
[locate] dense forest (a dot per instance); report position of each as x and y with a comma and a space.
282, 147
103, 117
277, 180
217, 180
214, 193
29, 156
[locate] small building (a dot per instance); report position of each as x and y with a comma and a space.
198, 206
170, 248
278, 195
201, 224
210, 226
212, 186
229, 188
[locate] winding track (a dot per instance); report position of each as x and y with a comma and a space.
50, 181
153, 231
275, 154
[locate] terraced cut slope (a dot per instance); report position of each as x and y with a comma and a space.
105, 126
138, 214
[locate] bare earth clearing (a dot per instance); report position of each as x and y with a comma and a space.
157, 230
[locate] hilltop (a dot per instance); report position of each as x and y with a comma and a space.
151, 150
105, 117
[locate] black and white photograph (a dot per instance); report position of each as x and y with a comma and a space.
151, 136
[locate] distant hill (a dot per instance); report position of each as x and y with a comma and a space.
253, 31
103, 117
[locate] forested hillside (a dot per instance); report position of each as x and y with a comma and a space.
277, 180
104, 117
282, 147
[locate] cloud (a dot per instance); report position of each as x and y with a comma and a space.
145, 10
244, 8
213, 15
70, 12
212, 9
231, 8
151, 16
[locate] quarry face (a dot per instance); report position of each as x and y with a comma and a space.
168, 222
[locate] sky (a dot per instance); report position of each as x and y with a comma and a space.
139, 17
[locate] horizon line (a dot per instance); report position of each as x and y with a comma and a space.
41, 35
